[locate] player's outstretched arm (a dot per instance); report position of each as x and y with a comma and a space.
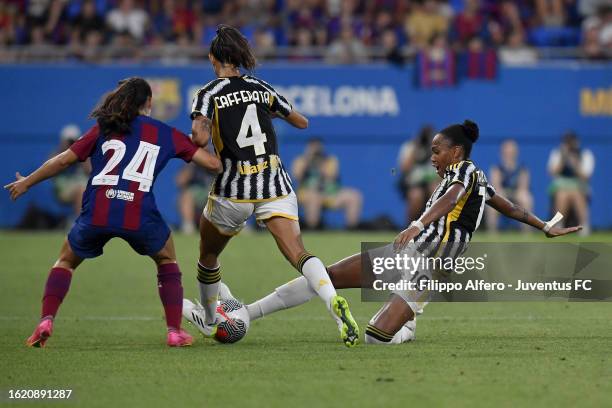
515, 211
49, 169
439, 209
209, 161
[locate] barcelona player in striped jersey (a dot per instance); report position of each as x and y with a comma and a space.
452, 215
239, 110
128, 150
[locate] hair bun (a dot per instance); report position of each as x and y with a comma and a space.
471, 130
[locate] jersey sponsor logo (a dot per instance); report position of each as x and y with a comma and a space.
111, 193
247, 170
167, 103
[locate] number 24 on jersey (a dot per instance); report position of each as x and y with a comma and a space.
145, 158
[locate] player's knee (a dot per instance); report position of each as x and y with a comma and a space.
67, 259
166, 254
162, 258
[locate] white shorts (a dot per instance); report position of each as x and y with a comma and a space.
230, 217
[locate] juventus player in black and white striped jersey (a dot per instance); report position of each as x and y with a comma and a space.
456, 227
445, 228
237, 111
240, 109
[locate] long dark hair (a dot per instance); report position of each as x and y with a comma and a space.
230, 46
119, 107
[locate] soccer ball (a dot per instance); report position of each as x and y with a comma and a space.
232, 321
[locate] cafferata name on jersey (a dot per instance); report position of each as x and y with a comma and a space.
234, 98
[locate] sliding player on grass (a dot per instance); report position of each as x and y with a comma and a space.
128, 150
451, 216
239, 110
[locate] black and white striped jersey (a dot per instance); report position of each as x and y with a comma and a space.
455, 229
243, 136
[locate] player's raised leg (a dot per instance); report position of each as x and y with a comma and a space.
171, 294
286, 232
56, 289
344, 274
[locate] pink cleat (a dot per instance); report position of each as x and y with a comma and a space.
179, 338
41, 334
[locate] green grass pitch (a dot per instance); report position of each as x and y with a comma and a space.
109, 340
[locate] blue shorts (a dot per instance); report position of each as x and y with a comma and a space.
87, 241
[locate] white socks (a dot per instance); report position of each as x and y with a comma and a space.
291, 294
315, 281
209, 279
315, 273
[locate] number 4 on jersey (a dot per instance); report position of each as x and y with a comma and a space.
257, 138
145, 158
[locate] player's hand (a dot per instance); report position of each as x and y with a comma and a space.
404, 237
18, 187
558, 231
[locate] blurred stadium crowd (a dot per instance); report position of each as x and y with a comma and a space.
337, 31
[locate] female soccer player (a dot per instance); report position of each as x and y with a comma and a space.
128, 150
451, 216
237, 109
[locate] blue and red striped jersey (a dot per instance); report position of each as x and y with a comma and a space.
119, 192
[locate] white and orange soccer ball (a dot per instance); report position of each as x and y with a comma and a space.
232, 321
